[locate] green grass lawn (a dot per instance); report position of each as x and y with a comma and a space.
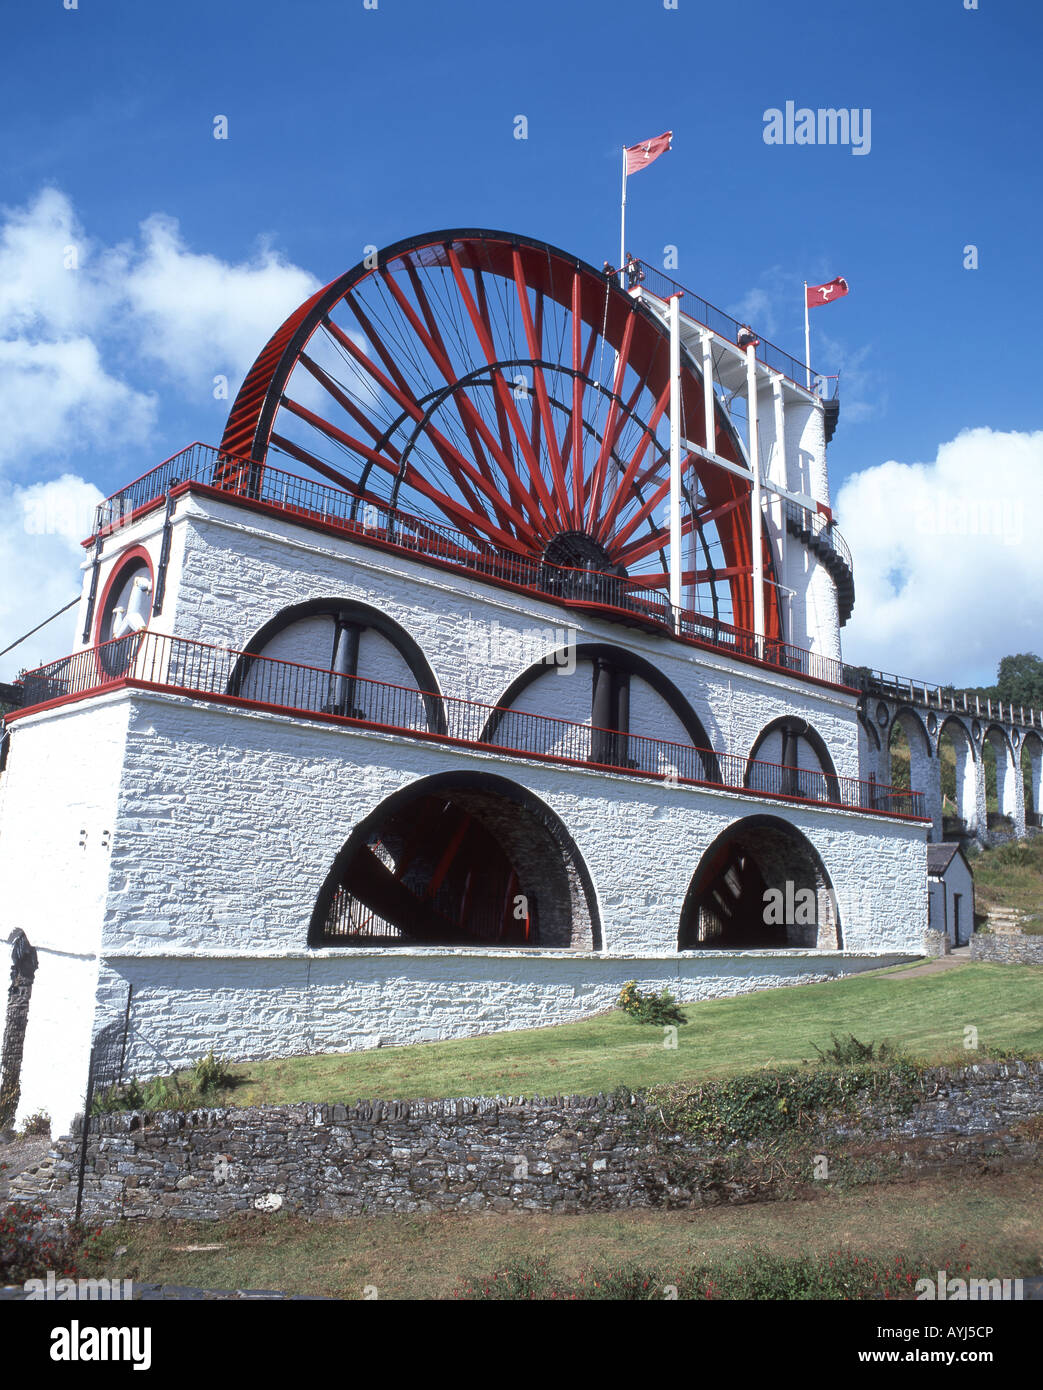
989, 1221
925, 1015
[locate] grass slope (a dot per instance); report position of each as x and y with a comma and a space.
989, 1222
1011, 875
924, 1014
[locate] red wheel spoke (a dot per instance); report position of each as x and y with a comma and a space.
349, 442
608, 442
624, 490
624, 553
459, 466
326, 469
534, 339
346, 403
400, 391
434, 343
470, 416
577, 403
478, 314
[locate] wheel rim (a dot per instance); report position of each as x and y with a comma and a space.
500, 386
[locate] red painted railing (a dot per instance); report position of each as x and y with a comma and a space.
179, 665
374, 522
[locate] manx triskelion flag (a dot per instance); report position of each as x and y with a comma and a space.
641, 156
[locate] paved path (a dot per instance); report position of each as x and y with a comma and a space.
960, 956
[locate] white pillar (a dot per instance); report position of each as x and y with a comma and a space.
778, 505
756, 517
709, 413
676, 558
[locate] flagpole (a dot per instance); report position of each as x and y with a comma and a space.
807, 338
623, 223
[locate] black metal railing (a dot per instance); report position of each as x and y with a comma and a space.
721, 323
821, 529
181, 665
940, 697
369, 520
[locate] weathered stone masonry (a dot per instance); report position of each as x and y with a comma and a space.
568, 1154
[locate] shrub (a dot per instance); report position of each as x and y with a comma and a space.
34, 1239
211, 1073
769, 1103
177, 1092
36, 1125
649, 1008
848, 1051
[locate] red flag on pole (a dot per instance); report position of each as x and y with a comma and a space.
641, 156
825, 294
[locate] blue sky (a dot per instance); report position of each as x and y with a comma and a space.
349, 126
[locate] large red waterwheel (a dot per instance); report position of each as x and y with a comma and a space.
502, 387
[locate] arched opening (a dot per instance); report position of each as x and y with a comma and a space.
909, 752
1032, 778
356, 662
760, 885
790, 758
458, 859
957, 760
631, 709
125, 610
1000, 777
23, 972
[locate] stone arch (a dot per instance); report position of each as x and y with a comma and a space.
1032, 775
915, 730
444, 861
760, 869
1007, 770
965, 788
24, 964
625, 749
923, 766
348, 692
790, 773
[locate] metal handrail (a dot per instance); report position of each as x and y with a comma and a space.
940, 697
822, 529
721, 323
371, 520
181, 665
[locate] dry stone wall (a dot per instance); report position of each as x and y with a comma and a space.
1008, 948
565, 1154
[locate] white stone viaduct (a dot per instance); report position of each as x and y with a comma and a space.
928, 714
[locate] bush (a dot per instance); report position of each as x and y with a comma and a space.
848, 1051
649, 1008
36, 1125
211, 1073
178, 1092
34, 1239
769, 1103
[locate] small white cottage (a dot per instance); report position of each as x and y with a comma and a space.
950, 894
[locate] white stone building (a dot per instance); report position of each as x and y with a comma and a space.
950, 891
463, 723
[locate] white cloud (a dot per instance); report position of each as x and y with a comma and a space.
40, 530
57, 398
948, 562
91, 338
83, 326
198, 315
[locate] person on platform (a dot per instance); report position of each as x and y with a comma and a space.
746, 337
